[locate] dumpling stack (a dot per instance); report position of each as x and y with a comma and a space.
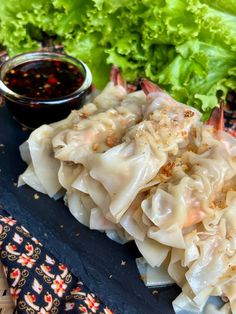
141, 166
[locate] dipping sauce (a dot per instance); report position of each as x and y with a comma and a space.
47, 79
42, 87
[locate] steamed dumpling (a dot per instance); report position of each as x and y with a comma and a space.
44, 164
99, 132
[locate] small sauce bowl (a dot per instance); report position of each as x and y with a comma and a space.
43, 87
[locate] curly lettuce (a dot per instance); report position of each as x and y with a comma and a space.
186, 46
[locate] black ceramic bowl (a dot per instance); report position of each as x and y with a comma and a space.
33, 110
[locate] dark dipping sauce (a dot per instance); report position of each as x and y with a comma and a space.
47, 79
43, 87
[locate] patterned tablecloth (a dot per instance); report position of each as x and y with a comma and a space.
38, 282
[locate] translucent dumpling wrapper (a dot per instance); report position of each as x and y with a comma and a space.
80, 206
99, 132
171, 236
153, 276
205, 270
111, 96
74, 117
67, 174
131, 221
134, 163
25, 152
184, 305
99, 222
44, 164
130, 166
153, 252
175, 269
86, 184
118, 235
159, 208
29, 177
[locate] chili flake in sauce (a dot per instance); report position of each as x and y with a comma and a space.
44, 79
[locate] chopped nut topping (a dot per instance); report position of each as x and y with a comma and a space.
167, 169
194, 132
155, 292
112, 141
95, 147
188, 114
233, 268
123, 263
83, 115
36, 196
184, 134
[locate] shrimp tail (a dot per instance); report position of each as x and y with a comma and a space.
217, 117
116, 77
131, 88
148, 86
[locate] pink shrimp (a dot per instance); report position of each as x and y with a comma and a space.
149, 87
131, 88
116, 77
217, 117
158, 98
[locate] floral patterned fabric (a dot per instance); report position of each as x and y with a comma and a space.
38, 282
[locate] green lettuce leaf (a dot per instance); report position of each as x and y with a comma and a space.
186, 46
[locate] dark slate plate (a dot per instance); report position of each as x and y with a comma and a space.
90, 255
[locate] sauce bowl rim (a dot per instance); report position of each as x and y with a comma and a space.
37, 56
